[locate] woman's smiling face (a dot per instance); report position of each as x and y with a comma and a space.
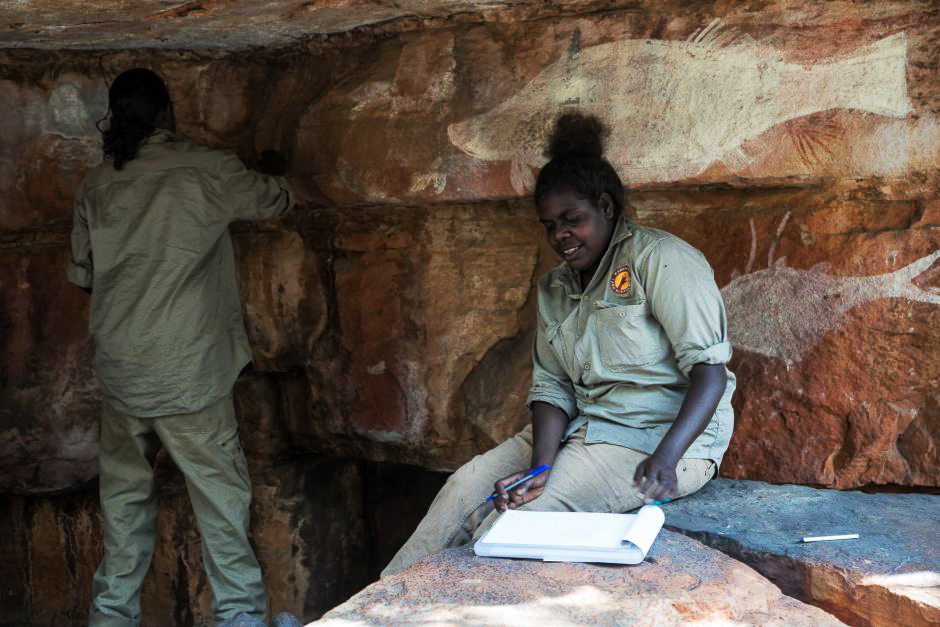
578, 231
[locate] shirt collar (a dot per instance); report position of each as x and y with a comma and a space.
622, 231
568, 277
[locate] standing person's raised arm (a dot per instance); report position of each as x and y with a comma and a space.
255, 195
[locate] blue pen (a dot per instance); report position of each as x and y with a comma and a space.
658, 503
535, 472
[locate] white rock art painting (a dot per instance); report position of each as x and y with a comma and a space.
677, 107
782, 312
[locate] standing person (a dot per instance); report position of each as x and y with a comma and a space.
150, 243
631, 398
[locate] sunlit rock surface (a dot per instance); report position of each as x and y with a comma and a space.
890, 575
682, 582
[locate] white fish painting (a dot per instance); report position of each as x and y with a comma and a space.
677, 107
782, 312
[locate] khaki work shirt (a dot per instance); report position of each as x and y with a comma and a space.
620, 362
152, 242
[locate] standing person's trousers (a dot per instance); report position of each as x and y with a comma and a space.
584, 478
205, 447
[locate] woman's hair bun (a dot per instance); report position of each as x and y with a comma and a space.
577, 134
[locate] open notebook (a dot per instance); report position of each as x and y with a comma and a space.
573, 536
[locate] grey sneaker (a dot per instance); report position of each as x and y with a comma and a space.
242, 620
286, 619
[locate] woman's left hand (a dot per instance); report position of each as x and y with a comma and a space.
655, 479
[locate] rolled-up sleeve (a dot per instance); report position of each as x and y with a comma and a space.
550, 383
253, 195
80, 270
683, 296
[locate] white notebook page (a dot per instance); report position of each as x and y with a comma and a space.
643, 531
575, 529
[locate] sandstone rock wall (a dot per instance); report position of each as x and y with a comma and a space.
391, 316
395, 307
833, 313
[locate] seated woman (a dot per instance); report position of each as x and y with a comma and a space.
631, 399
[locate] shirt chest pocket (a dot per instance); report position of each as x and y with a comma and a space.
628, 337
560, 337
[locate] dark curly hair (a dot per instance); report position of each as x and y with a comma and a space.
576, 161
135, 98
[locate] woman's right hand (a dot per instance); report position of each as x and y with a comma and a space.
520, 495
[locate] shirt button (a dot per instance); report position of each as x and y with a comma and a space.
587, 367
587, 298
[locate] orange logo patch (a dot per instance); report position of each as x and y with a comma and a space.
620, 280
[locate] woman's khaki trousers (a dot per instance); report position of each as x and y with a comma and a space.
585, 478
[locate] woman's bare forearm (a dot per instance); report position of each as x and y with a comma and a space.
706, 385
548, 425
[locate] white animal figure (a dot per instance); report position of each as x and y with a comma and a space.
782, 312
675, 108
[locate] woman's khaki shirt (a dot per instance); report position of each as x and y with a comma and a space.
617, 356
152, 242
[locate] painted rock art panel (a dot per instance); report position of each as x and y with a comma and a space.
816, 303
675, 108
696, 99
391, 318
50, 140
47, 145
834, 314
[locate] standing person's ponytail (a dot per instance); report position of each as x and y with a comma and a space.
135, 99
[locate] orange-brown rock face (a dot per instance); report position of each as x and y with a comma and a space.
833, 313
425, 301
695, 96
391, 316
400, 329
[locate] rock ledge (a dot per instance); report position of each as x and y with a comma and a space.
889, 576
682, 582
